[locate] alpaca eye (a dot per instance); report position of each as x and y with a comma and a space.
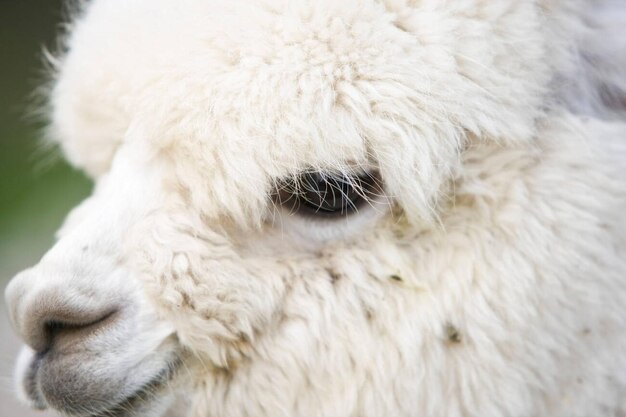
325, 194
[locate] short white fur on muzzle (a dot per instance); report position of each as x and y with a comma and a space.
327, 208
94, 345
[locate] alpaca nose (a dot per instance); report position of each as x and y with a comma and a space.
51, 316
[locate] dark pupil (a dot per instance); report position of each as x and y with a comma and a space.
328, 193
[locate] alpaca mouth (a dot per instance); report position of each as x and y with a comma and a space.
142, 397
140, 401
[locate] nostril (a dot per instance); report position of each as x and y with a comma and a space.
63, 334
49, 321
50, 313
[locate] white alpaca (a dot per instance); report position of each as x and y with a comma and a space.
337, 208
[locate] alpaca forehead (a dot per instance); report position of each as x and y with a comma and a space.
304, 74
243, 92
227, 63
267, 113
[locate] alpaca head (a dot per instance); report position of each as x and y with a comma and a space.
256, 164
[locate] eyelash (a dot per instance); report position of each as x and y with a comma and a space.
328, 195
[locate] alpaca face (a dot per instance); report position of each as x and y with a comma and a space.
218, 146
264, 172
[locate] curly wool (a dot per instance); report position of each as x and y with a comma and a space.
494, 285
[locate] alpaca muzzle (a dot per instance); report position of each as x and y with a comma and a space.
93, 345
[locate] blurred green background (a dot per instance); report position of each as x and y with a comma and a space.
37, 188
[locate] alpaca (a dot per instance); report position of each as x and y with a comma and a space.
357, 208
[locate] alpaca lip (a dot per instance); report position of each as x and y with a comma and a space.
129, 405
30, 384
126, 406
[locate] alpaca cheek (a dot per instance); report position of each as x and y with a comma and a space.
216, 302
